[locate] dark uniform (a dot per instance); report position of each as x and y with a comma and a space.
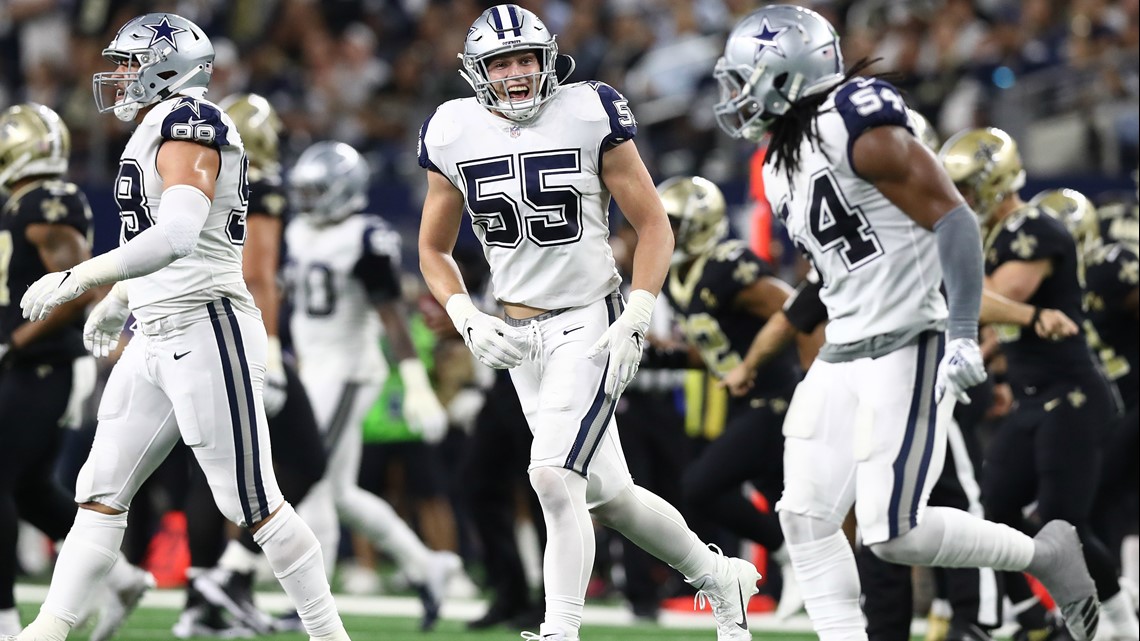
1049, 449
298, 452
36, 380
1111, 274
752, 446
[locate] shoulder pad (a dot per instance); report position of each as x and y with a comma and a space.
440, 129
866, 103
623, 124
1029, 235
195, 121
54, 202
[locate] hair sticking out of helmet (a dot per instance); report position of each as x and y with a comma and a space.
696, 211
499, 34
985, 165
34, 141
259, 126
329, 182
158, 55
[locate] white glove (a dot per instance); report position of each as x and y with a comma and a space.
273, 393
623, 341
491, 340
105, 323
961, 368
422, 410
49, 292
83, 375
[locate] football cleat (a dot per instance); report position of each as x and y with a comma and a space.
1059, 564
727, 591
440, 568
120, 603
233, 592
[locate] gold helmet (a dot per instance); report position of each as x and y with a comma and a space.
34, 141
259, 126
696, 212
985, 166
1075, 210
923, 130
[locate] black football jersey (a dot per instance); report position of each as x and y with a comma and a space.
703, 298
47, 201
1030, 235
1111, 274
267, 195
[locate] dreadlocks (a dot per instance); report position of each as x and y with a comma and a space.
799, 121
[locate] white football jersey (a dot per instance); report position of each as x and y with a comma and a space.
880, 270
534, 190
213, 269
338, 273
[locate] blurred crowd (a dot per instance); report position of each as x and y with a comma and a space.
368, 72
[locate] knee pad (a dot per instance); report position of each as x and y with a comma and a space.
556, 488
799, 528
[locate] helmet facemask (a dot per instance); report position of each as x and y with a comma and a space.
489, 92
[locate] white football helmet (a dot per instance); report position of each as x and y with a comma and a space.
773, 57
163, 53
329, 182
503, 29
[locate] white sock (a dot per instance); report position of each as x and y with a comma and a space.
569, 555
10, 621
318, 511
295, 556
236, 558
829, 583
371, 515
951, 538
88, 552
658, 528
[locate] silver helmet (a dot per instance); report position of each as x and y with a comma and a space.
163, 54
923, 130
329, 182
774, 57
503, 29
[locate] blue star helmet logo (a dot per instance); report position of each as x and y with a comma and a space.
164, 31
767, 39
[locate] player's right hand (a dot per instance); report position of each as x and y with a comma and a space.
961, 368
104, 325
493, 342
1053, 325
739, 380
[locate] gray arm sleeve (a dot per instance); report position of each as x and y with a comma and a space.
960, 252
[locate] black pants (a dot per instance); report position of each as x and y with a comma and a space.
1116, 503
298, 462
1050, 450
494, 475
32, 400
652, 434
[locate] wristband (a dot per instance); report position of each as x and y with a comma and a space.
1033, 319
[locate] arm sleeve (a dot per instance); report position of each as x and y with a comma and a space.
804, 309
960, 252
378, 266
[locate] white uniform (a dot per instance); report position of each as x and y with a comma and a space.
196, 364
339, 272
868, 400
540, 209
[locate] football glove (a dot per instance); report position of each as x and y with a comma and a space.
83, 375
961, 368
273, 393
623, 341
49, 292
422, 410
105, 323
491, 340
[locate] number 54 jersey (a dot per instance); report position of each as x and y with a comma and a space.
880, 270
534, 190
213, 269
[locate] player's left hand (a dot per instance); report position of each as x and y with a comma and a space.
422, 409
275, 390
961, 368
1053, 325
623, 340
49, 292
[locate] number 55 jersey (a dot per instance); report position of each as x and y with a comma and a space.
880, 270
534, 190
213, 269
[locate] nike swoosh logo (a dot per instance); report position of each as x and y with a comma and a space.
743, 625
195, 121
178, 356
572, 329
66, 275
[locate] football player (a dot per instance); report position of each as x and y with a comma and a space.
195, 367
723, 295
345, 271
45, 374
884, 227
299, 465
535, 162
1031, 257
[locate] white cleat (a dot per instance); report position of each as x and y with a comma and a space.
119, 605
549, 636
727, 590
1118, 620
440, 568
791, 599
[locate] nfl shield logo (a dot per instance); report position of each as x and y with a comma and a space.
515, 131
